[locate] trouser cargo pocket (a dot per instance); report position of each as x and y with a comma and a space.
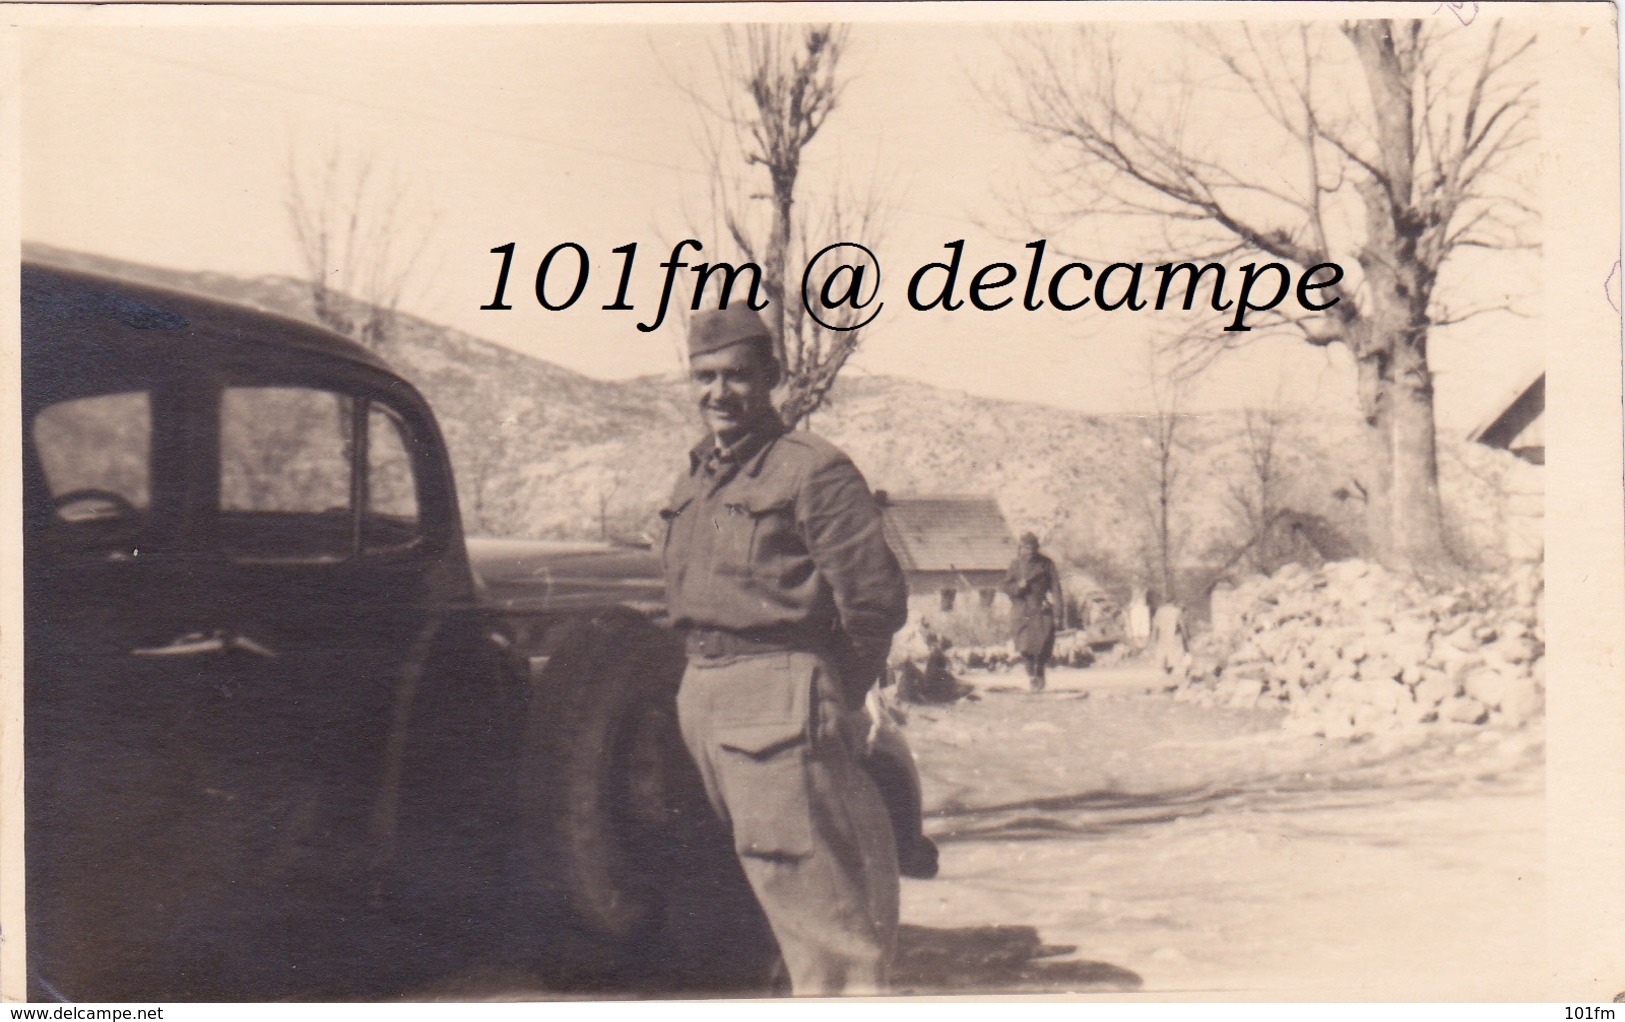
763, 771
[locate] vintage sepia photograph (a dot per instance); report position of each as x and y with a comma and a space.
754, 501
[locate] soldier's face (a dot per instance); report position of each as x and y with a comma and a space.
734, 389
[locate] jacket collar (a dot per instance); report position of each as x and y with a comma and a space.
746, 453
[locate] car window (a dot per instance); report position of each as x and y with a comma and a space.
289, 489
96, 445
392, 494
284, 449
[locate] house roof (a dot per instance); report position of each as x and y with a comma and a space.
948, 533
1514, 418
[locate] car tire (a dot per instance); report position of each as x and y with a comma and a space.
617, 832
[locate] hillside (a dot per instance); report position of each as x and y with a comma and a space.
541, 451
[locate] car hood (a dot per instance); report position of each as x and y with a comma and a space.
536, 575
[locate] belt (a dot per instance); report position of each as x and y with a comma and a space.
708, 643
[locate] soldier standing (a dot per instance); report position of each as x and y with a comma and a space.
778, 571
1036, 607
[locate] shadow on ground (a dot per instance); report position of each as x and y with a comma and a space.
1100, 813
996, 959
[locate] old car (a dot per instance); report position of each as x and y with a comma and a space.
283, 741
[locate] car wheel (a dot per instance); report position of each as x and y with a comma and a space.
617, 830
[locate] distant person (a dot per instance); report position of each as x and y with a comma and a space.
1168, 637
937, 684
1139, 620
1036, 607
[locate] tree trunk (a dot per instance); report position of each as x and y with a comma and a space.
1165, 555
1416, 516
778, 260
1400, 469
1404, 519
1374, 471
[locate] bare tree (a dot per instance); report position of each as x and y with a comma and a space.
1381, 145
780, 85
1257, 495
480, 452
351, 225
1162, 473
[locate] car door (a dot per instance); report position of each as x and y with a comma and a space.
109, 781
323, 564
237, 572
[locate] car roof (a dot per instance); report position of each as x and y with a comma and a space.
65, 309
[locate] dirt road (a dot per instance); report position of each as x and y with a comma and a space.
1097, 838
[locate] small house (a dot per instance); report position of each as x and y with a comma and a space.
955, 548
1517, 424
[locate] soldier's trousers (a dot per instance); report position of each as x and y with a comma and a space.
780, 754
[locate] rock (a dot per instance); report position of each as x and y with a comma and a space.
1247, 649
1522, 705
1350, 569
1371, 720
1386, 696
1463, 639
1411, 713
1487, 684
1341, 670
1250, 670
1413, 630
1347, 691
1407, 652
1379, 669
1459, 669
1432, 690
1449, 657
1442, 604
1516, 649
1337, 638
1290, 573
1464, 710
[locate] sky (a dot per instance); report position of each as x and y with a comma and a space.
172, 144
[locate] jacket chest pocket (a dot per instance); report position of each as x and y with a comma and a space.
754, 533
668, 516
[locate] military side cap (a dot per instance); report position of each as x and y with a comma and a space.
716, 329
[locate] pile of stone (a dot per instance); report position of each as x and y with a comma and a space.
1353, 650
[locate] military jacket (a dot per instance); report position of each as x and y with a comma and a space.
782, 536
1034, 588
